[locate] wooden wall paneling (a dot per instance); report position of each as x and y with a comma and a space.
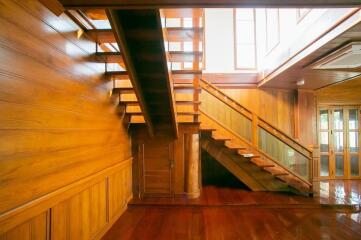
82, 216
34, 229
60, 135
273, 105
307, 125
345, 93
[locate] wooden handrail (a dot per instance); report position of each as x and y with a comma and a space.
276, 132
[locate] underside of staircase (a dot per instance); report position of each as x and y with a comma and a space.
245, 162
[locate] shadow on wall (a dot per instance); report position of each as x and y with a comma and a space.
213, 173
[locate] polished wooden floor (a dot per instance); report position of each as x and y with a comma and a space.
230, 223
336, 194
234, 213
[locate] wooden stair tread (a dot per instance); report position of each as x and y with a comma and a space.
262, 163
186, 71
188, 113
220, 137
186, 87
203, 128
177, 102
188, 102
233, 146
248, 154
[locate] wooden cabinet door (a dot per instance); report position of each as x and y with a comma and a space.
157, 164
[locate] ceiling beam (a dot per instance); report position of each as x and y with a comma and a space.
54, 6
131, 4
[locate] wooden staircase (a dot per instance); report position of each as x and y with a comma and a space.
240, 156
249, 165
184, 79
243, 157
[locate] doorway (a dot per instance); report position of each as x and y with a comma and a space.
339, 133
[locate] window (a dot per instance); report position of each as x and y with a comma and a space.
173, 22
188, 65
245, 38
272, 28
301, 13
188, 46
174, 46
176, 65
187, 22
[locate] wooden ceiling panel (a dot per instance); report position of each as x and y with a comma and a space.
154, 4
299, 67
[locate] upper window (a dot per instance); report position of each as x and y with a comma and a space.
301, 13
245, 38
272, 28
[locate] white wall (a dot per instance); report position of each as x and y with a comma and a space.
219, 36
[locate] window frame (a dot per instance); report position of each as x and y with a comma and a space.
268, 48
299, 16
235, 42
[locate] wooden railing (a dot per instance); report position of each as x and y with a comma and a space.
258, 124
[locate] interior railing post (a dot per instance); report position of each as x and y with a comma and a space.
314, 161
254, 130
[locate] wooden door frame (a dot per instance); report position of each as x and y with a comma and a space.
347, 160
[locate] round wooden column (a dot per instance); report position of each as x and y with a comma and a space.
191, 142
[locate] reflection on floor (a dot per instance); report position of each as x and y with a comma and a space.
237, 213
231, 223
336, 194
339, 191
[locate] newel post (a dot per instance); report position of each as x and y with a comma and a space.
254, 130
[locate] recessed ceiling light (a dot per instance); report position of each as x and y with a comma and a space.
301, 82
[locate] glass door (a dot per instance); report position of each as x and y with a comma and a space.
338, 143
353, 145
339, 133
325, 133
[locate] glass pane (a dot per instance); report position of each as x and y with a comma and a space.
246, 56
324, 142
226, 115
324, 119
187, 22
353, 119
272, 22
188, 65
173, 22
354, 165
338, 119
283, 153
244, 14
353, 139
339, 165
188, 46
338, 141
174, 46
324, 166
176, 66
245, 32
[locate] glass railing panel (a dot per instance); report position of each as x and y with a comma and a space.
283, 153
225, 115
